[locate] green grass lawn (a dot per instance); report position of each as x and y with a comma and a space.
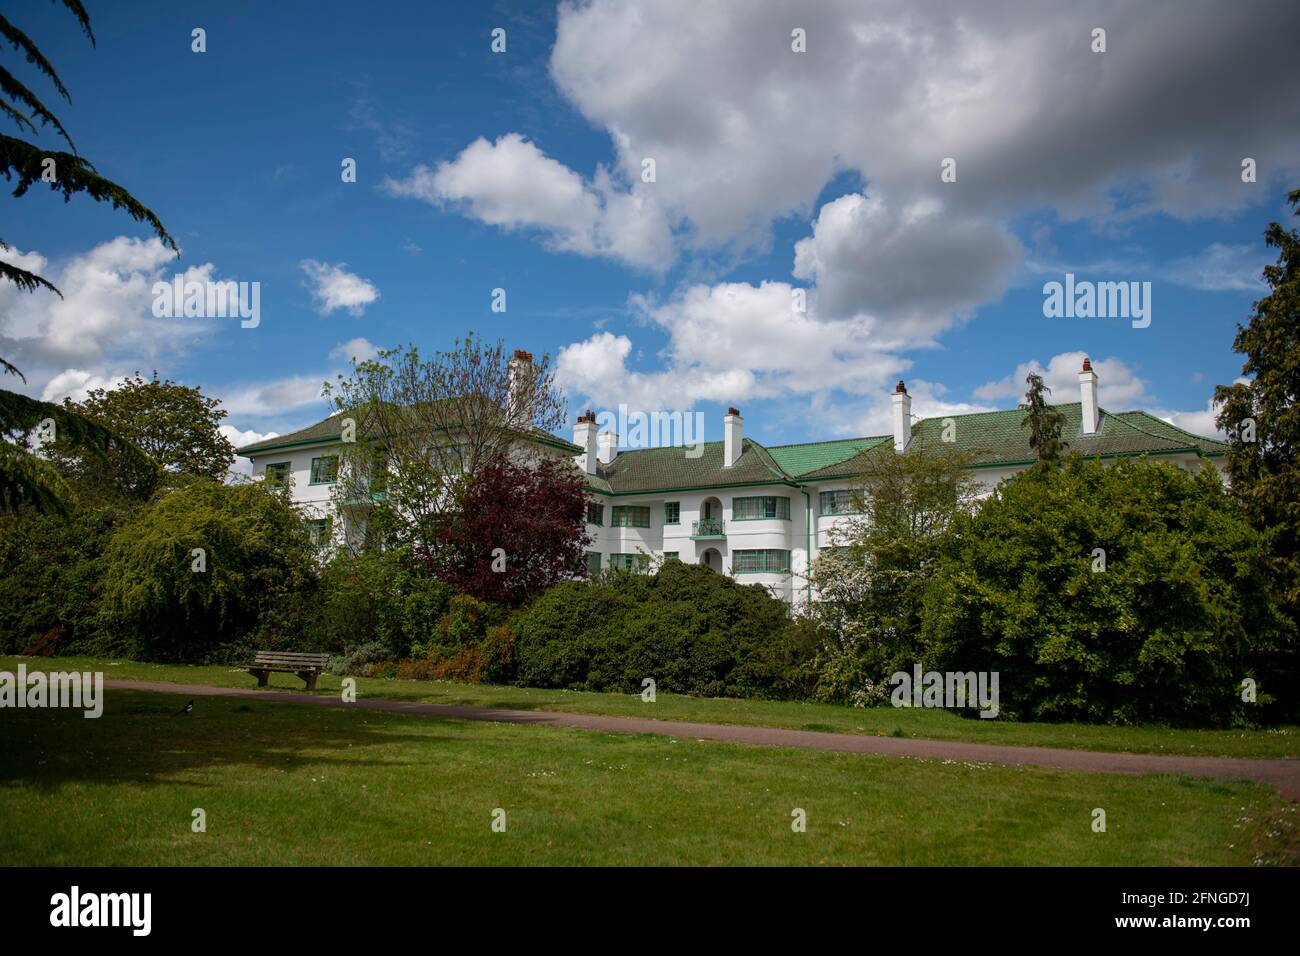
880, 721
282, 784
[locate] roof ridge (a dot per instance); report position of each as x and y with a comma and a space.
1143, 412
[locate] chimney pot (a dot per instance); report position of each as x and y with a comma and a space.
1087, 364
900, 388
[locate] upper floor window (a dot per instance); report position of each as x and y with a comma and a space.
672, 512
324, 469
593, 562
595, 513
277, 473
760, 561
630, 516
763, 506
837, 502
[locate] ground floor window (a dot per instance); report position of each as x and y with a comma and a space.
593, 562
760, 561
629, 562
672, 555
320, 530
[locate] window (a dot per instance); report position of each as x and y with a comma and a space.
324, 470
278, 473
763, 561
754, 509
672, 555
672, 512
629, 562
593, 562
595, 514
837, 502
320, 531
630, 516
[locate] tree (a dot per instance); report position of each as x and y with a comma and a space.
426, 427
1044, 421
204, 566
520, 528
871, 583
1261, 417
175, 425
1119, 593
25, 477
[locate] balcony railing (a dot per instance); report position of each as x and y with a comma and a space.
708, 528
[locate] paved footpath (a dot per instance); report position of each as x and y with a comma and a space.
1281, 773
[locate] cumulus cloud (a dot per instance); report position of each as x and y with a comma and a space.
729, 342
1119, 387
242, 467
274, 397
915, 269
513, 184
76, 384
104, 322
360, 349
745, 131
333, 287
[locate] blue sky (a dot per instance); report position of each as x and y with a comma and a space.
775, 169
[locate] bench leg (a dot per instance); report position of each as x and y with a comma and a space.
261, 677
309, 677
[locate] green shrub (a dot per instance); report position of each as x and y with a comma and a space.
257, 556
377, 597
686, 627
1165, 632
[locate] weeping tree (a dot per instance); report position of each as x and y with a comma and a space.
1045, 422
26, 423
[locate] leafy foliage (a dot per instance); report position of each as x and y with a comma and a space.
1262, 419
688, 628
257, 554
1044, 421
1166, 632
520, 528
871, 583
175, 425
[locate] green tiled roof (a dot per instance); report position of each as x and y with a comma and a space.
816, 456
331, 430
664, 469
993, 438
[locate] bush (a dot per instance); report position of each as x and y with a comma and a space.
51, 573
156, 606
1164, 633
378, 597
693, 631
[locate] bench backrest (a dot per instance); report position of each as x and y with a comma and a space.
291, 659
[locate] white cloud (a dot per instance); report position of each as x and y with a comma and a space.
1222, 268
1119, 388
275, 397
104, 319
514, 185
730, 342
916, 269
359, 348
243, 467
333, 287
76, 384
744, 131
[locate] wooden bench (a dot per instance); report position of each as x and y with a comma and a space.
307, 666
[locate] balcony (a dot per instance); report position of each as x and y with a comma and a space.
708, 528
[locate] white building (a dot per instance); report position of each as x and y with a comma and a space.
759, 513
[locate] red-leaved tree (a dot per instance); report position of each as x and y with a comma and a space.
519, 529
